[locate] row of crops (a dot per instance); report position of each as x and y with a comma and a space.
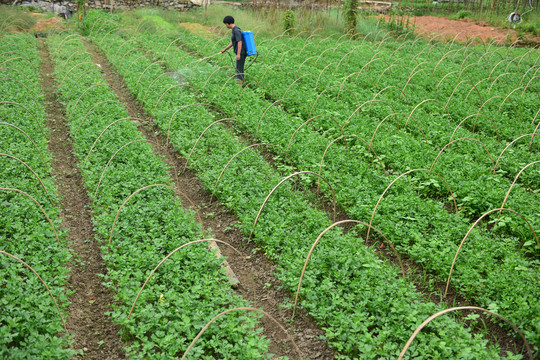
407, 137
412, 213
32, 308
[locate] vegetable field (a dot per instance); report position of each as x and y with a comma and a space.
393, 185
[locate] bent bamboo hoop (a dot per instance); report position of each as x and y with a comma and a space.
208, 105
399, 177
433, 317
474, 126
473, 226
113, 156
310, 120
300, 356
464, 138
31, 113
92, 108
343, 137
369, 102
103, 132
271, 105
166, 91
28, 137
320, 237
241, 151
279, 184
43, 282
532, 135
204, 131
172, 253
515, 180
40, 208
147, 187
28, 167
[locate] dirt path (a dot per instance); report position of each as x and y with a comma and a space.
255, 275
462, 30
95, 334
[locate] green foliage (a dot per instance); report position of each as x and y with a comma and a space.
288, 21
461, 14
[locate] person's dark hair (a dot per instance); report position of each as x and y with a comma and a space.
228, 20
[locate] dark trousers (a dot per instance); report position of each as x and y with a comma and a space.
240, 68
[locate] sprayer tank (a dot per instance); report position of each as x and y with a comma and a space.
249, 40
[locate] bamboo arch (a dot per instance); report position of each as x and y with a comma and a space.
92, 108
147, 187
245, 86
369, 102
112, 157
166, 91
43, 282
28, 137
433, 317
420, 104
103, 132
394, 114
279, 184
238, 309
271, 105
172, 253
28, 167
320, 237
71, 111
399, 177
31, 113
148, 67
463, 138
204, 131
473, 226
474, 126
330, 87
40, 208
343, 137
514, 182
513, 141
26, 87
185, 107
310, 120
294, 82
241, 151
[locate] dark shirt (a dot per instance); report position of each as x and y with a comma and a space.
235, 38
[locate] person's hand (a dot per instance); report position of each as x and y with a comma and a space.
237, 57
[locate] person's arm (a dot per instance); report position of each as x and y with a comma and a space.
226, 48
240, 43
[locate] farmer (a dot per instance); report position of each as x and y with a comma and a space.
237, 43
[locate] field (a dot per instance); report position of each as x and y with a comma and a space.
370, 198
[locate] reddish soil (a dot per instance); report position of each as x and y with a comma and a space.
462, 30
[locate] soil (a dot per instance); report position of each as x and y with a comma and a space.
255, 272
95, 336
462, 30
198, 29
47, 24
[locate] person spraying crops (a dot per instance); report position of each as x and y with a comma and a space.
237, 43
